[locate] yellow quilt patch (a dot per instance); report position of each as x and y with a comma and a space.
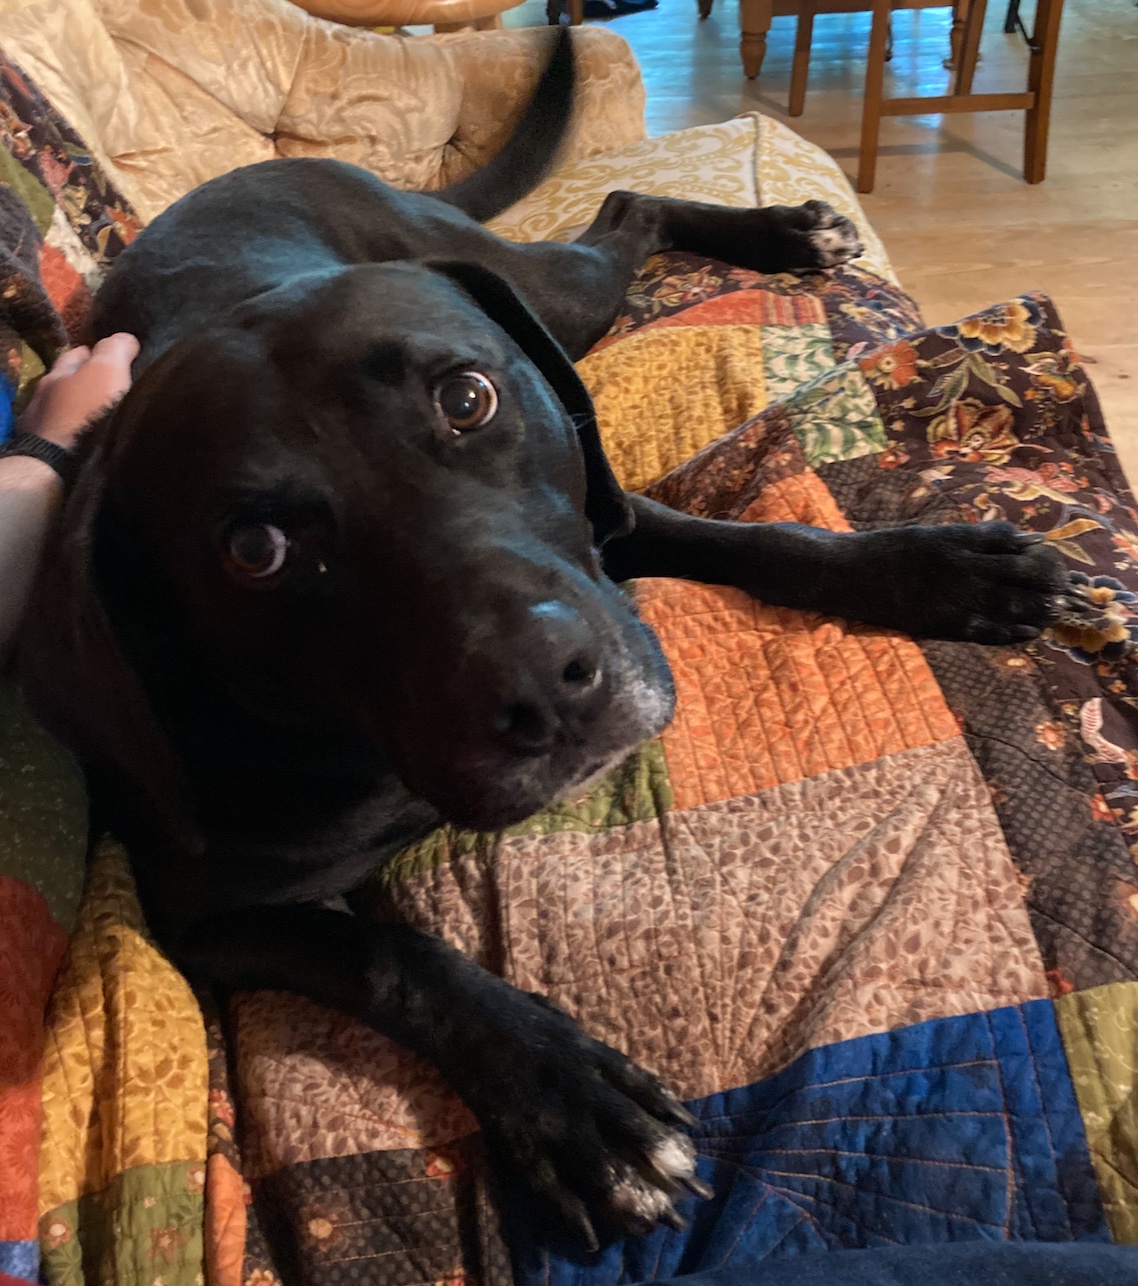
125, 1079
661, 395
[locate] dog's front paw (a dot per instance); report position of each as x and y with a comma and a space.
982, 583
594, 1139
818, 237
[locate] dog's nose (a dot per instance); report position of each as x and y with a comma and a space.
560, 683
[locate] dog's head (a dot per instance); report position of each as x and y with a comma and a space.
369, 503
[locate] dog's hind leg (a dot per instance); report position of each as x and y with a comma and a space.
773, 238
578, 289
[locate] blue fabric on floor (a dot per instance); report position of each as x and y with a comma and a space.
958, 1129
961, 1264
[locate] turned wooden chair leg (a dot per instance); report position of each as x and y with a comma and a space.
874, 91
1040, 81
754, 22
800, 71
970, 46
956, 34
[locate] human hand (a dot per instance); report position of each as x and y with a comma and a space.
82, 383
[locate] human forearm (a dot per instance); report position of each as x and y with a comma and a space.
29, 493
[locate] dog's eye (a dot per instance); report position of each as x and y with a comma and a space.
466, 401
258, 551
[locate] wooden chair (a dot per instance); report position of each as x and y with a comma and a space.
1035, 101
808, 10
756, 16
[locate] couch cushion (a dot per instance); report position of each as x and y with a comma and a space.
751, 160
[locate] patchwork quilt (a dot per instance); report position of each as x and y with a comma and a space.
870, 905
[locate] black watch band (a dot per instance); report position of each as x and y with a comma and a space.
51, 453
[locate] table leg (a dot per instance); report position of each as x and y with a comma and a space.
874, 92
1040, 79
754, 22
800, 70
970, 46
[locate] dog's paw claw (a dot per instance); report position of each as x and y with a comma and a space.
697, 1187
637, 1202
673, 1220
672, 1108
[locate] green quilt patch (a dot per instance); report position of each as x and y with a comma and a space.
145, 1229
793, 356
637, 791
43, 810
1100, 1035
835, 417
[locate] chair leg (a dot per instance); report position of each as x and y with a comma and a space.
755, 18
956, 34
1040, 82
874, 89
576, 12
704, 9
970, 45
800, 70
1011, 21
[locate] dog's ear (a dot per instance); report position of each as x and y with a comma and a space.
71, 665
606, 505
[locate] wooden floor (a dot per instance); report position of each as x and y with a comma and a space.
961, 226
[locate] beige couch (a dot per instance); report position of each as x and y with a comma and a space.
170, 93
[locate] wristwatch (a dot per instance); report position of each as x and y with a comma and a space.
51, 453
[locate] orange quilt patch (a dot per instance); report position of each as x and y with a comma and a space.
766, 695
31, 947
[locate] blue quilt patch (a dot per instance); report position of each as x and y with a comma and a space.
20, 1259
7, 414
951, 1130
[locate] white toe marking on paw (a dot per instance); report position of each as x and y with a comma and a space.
674, 1157
830, 238
836, 242
633, 1196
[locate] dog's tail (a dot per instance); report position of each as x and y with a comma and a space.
530, 150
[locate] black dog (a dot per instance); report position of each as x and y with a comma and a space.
342, 564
